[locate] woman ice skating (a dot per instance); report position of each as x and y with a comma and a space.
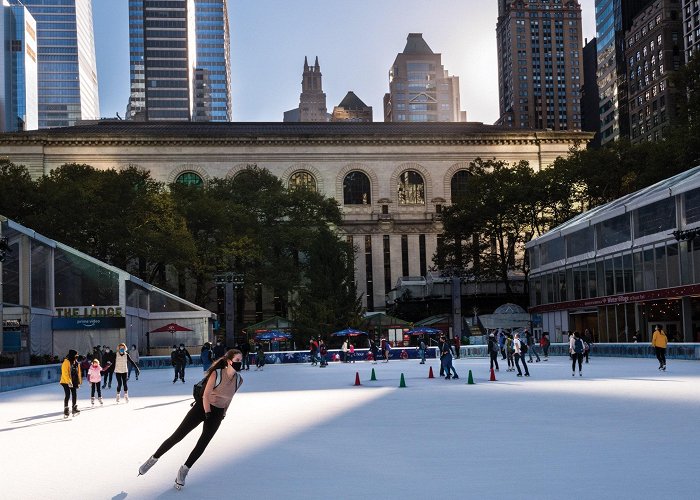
211, 410
121, 362
494, 350
95, 378
660, 341
70, 380
519, 347
259, 356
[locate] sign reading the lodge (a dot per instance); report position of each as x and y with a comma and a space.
88, 318
89, 312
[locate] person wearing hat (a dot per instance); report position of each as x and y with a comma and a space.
494, 350
70, 381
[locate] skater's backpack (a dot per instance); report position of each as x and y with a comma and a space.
198, 388
578, 345
523, 347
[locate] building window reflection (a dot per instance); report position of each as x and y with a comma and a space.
459, 186
411, 188
356, 189
189, 179
302, 180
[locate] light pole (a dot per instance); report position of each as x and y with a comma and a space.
231, 281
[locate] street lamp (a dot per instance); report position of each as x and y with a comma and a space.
231, 281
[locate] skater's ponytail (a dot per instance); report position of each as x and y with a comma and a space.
221, 362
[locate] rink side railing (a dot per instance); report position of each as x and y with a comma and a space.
29, 376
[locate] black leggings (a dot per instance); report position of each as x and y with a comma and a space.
661, 355
192, 420
105, 376
70, 392
494, 359
577, 356
121, 378
93, 386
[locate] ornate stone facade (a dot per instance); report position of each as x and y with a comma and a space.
390, 179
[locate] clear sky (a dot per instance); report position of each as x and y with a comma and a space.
356, 42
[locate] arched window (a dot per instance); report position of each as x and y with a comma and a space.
189, 179
302, 180
411, 188
356, 189
459, 186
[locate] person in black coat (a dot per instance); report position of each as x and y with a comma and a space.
219, 349
109, 357
180, 357
245, 350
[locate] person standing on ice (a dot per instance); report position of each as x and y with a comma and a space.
95, 378
181, 357
108, 358
530, 339
216, 399
519, 355
134, 353
660, 341
502, 340
446, 359
494, 350
121, 368
544, 344
70, 381
374, 350
509, 353
206, 356
421, 349
576, 348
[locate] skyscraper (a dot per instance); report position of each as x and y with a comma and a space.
162, 59
420, 88
18, 69
654, 50
540, 64
312, 100
691, 27
613, 18
213, 73
67, 72
179, 53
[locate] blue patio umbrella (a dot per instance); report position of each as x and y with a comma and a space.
423, 330
348, 332
273, 335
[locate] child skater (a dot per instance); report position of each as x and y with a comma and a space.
95, 378
211, 410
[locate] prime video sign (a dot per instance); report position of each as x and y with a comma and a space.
99, 323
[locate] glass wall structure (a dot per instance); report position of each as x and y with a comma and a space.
621, 268
67, 71
65, 300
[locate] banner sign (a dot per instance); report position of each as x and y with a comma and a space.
280, 357
88, 312
87, 323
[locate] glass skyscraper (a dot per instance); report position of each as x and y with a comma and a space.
67, 72
213, 74
179, 60
18, 69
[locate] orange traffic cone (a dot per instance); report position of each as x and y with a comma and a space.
357, 378
493, 376
430, 373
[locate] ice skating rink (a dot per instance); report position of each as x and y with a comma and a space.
623, 430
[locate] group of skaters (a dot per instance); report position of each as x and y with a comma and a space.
212, 352
98, 367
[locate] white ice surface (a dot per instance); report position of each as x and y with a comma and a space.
624, 430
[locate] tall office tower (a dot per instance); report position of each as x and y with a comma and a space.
420, 89
213, 73
351, 109
162, 58
18, 69
654, 51
691, 27
67, 71
540, 64
312, 101
613, 18
590, 113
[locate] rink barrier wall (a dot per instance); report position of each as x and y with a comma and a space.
29, 376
